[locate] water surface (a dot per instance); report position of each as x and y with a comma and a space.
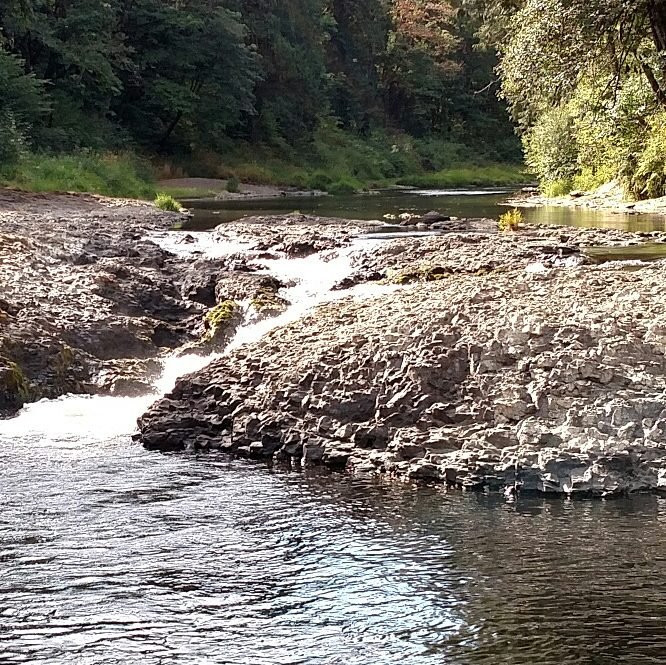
112, 555
208, 213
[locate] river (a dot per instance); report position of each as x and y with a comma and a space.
208, 213
110, 555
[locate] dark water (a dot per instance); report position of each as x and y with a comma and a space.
110, 555
208, 213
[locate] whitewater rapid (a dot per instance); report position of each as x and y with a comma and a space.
72, 419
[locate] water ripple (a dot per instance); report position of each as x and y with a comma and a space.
123, 557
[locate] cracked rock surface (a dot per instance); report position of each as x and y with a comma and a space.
90, 299
507, 360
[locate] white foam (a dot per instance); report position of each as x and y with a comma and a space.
75, 420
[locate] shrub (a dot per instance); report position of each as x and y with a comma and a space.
464, 176
551, 151
510, 221
168, 203
644, 175
344, 186
12, 141
233, 186
319, 180
254, 174
558, 188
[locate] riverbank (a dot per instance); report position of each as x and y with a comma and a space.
504, 362
337, 166
301, 183
608, 197
476, 359
184, 188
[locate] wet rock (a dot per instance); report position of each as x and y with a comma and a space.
127, 378
433, 217
81, 284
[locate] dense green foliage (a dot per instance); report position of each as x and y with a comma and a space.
585, 81
119, 175
232, 85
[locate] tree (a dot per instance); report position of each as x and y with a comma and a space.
357, 46
22, 104
545, 46
74, 46
418, 62
290, 37
190, 73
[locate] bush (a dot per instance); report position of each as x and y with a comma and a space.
557, 188
233, 186
254, 174
12, 140
594, 138
319, 180
644, 175
344, 186
168, 203
464, 176
551, 151
510, 221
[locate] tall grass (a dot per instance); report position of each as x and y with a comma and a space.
337, 161
121, 175
166, 202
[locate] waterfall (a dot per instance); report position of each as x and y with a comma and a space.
73, 420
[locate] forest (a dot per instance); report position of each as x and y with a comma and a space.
335, 94
316, 93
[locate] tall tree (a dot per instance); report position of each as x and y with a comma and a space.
289, 37
75, 46
22, 105
356, 49
190, 74
547, 45
418, 62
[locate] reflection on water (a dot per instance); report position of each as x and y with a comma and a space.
114, 555
459, 203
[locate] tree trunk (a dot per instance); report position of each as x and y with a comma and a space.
657, 15
170, 129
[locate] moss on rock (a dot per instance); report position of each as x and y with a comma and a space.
14, 386
222, 320
267, 302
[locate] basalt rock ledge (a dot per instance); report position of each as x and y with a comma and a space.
506, 365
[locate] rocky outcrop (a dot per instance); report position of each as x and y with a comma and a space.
511, 365
90, 297
295, 235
